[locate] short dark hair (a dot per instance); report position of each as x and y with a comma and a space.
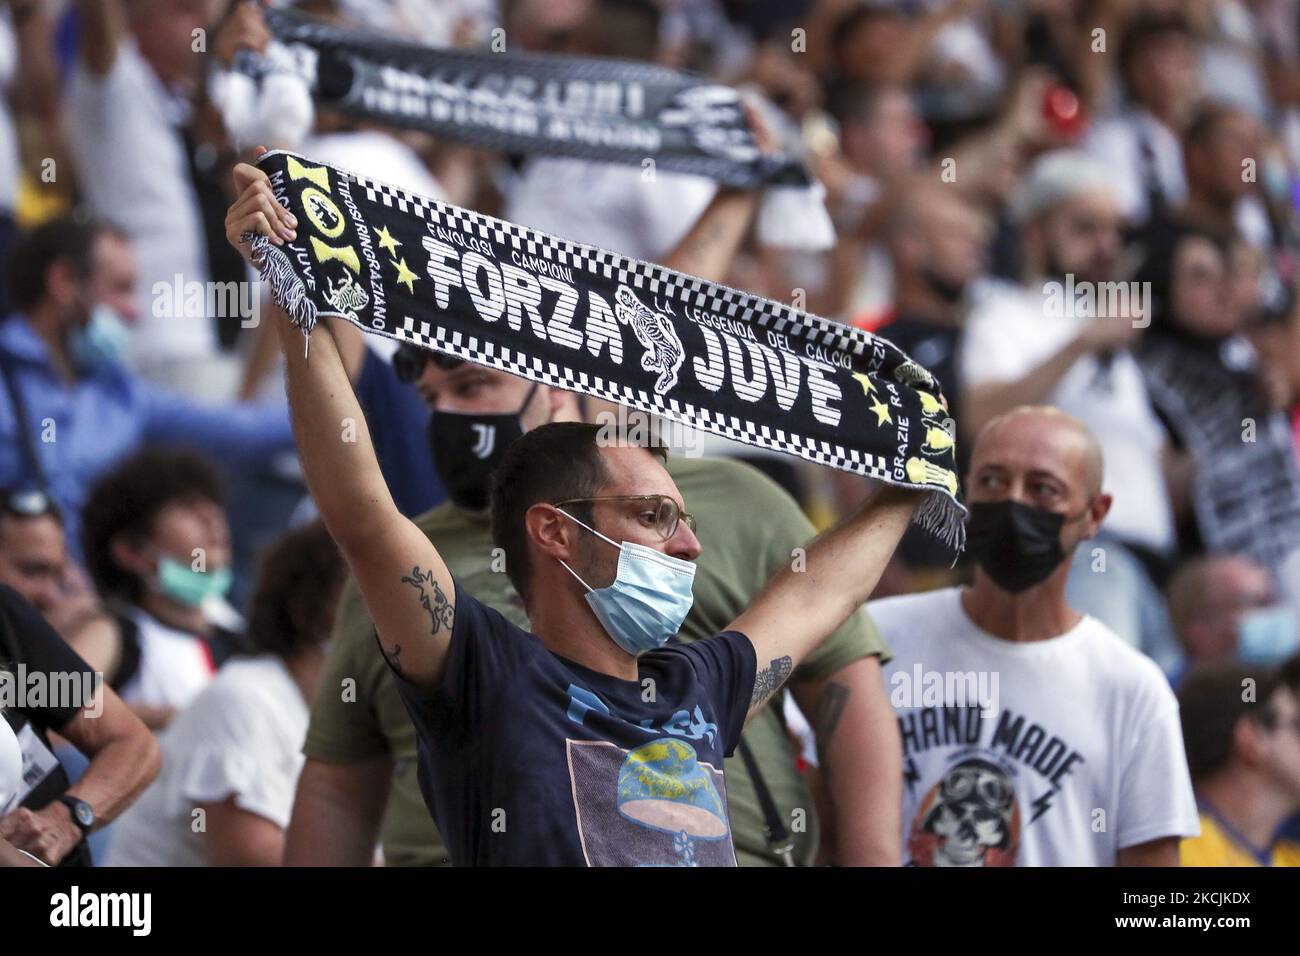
127, 501
296, 592
550, 463
1145, 31
1211, 701
67, 238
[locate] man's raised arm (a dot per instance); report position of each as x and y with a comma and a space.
797, 609
406, 586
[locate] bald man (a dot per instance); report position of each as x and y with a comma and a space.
1060, 338
1032, 734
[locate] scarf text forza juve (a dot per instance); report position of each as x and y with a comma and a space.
595, 322
584, 107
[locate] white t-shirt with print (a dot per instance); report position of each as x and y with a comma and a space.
1052, 753
241, 738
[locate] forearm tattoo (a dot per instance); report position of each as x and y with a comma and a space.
830, 707
769, 680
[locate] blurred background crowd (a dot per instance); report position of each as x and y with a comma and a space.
1091, 204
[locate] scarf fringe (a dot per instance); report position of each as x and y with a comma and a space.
288, 291
944, 518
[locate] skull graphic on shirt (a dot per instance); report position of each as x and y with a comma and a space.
969, 818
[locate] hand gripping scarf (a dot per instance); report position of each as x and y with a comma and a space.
598, 109
590, 321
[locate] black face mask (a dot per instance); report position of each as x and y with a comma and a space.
949, 291
1017, 545
467, 448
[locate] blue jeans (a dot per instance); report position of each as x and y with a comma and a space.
1109, 582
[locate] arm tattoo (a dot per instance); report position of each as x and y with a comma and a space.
769, 680
830, 707
442, 614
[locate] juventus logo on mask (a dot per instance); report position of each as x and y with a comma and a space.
487, 440
466, 447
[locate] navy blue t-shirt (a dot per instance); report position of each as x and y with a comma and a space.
527, 758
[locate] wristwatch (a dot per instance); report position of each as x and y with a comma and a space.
82, 815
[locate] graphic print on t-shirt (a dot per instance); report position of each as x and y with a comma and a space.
655, 805
969, 818
972, 815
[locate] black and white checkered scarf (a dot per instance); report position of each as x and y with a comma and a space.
597, 109
581, 318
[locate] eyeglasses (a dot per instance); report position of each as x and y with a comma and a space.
409, 361
27, 503
667, 513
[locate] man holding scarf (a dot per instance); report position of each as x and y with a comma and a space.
355, 747
354, 751
668, 785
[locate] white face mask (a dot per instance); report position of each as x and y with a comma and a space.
651, 595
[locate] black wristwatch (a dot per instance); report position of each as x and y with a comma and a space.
82, 815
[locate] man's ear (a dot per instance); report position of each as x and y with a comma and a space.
550, 531
1248, 742
1097, 511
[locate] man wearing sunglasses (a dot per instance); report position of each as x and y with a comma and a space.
33, 554
586, 741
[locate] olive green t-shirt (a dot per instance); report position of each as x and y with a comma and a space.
748, 527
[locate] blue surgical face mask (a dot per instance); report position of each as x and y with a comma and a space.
183, 584
1275, 178
649, 599
1268, 635
103, 340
